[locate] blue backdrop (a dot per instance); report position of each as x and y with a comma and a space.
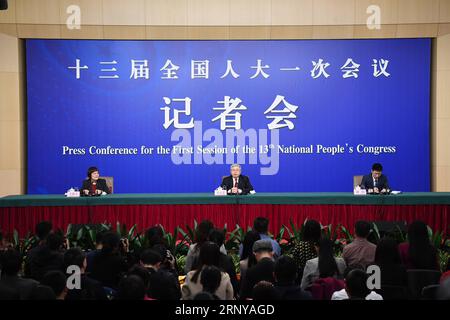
317, 111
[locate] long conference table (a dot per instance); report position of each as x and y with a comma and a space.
22, 212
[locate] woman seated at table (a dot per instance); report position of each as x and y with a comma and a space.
94, 186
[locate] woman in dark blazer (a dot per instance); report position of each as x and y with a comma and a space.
93, 186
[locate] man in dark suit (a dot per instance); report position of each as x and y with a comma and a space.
93, 186
263, 270
375, 182
236, 183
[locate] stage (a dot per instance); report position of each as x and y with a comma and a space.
171, 210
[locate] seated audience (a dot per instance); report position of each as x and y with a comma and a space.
387, 257
324, 266
261, 225
209, 256
152, 260
41, 292
247, 258
14, 286
56, 280
43, 229
418, 252
262, 270
131, 287
265, 291
285, 276
210, 279
360, 251
98, 247
305, 249
202, 235
108, 264
89, 288
356, 287
226, 262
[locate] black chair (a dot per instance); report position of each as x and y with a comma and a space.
418, 279
430, 292
393, 292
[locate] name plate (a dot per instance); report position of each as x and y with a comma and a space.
220, 192
359, 192
71, 193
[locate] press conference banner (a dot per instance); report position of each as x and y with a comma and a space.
172, 116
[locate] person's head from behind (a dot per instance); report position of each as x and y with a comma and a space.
110, 242
362, 229
387, 252
356, 284
209, 256
217, 236
93, 174
161, 286
377, 168
141, 272
265, 290
247, 245
56, 280
262, 249
10, 262
312, 231
99, 239
210, 279
43, 229
75, 257
151, 259
421, 253
235, 170
285, 270
261, 225
203, 231
155, 235
327, 262
131, 287
54, 241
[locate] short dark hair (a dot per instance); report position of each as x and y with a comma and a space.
261, 224
362, 228
43, 229
131, 288
56, 280
162, 286
10, 262
150, 256
265, 290
74, 256
217, 236
90, 171
110, 241
377, 167
210, 279
356, 284
54, 241
285, 269
141, 272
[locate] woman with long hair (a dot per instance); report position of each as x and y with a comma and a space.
418, 252
209, 256
324, 266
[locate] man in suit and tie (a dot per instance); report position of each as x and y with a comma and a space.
236, 183
375, 182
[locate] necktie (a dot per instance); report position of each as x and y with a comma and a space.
235, 182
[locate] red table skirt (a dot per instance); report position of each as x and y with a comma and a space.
24, 219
